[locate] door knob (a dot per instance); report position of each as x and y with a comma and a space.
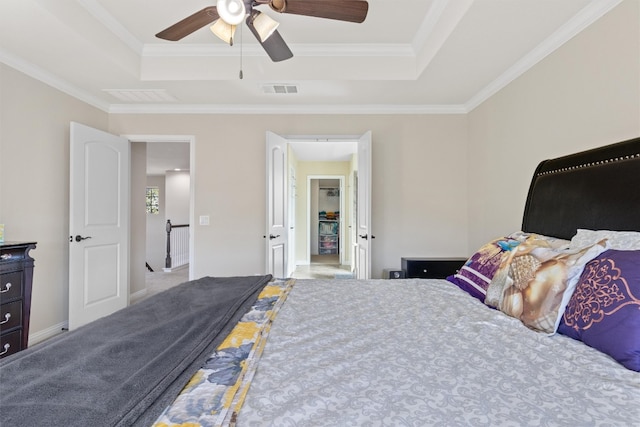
79, 238
271, 236
364, 236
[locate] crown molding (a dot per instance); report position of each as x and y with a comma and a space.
326, 50
71, 90
587, 16
286, 109
94, 8
49, 79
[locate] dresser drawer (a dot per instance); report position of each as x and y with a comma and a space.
10, 315
16, 279
10, 285
10, 343
431, 268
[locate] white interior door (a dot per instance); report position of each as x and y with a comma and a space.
363, 207
98, 224
291, 208
277, 211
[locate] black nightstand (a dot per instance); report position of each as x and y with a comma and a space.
431, 268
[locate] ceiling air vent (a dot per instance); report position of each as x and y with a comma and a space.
141, 95
279, 88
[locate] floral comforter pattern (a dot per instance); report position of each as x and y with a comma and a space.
216, 392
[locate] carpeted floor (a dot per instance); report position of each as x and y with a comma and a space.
159, 281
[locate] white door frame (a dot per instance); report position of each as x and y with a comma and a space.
341, 223
312, 138
364, 236
191, 140
291, 235
277, 206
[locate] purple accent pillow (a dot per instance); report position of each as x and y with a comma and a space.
476, 274
604, 310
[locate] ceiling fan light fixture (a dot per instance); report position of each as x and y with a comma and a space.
223, 31
264, 25
231, 11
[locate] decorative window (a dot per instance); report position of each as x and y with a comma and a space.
153, 200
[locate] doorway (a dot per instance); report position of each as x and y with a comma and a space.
308, 152
327, 225
326, 219
120, 177
163, 155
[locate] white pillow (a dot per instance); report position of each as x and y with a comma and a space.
621, 240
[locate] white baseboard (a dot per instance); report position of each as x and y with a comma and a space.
137, 296
50, 332
180, 267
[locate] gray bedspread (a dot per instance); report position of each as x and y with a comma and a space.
420, 352
123, 369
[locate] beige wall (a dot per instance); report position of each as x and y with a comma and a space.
177, 187
156, 247
411, 202
584, 95
34, 182
442, 184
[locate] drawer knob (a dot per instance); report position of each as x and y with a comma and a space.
7, 346
7, 316
6, 288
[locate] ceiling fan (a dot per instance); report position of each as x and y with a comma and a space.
227, 14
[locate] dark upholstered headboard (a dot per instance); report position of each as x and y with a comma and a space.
598, 189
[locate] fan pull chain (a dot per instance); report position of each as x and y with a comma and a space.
240, 74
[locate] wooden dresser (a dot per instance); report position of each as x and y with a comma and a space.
16, 277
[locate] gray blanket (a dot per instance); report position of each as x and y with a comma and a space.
124, 369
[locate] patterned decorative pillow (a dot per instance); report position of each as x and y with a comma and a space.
604, 311
624, 240
535, 282
476, 274
552, 242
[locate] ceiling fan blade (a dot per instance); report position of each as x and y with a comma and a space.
189, 24
341, 10
275, 46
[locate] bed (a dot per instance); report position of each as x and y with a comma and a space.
541, 326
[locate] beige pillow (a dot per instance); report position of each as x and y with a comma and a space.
535, 282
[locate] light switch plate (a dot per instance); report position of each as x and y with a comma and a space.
204, 219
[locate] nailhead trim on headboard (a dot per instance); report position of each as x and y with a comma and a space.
586, 165
594, 189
